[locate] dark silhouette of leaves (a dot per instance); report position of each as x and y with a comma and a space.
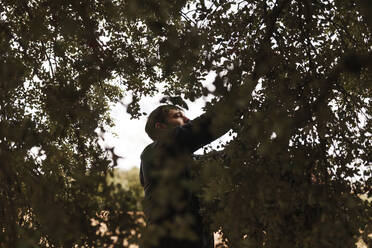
295, 80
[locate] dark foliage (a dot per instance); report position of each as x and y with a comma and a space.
291, 178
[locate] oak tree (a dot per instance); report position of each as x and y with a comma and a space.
292, 176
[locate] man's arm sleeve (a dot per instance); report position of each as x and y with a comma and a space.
217, 120
200, 132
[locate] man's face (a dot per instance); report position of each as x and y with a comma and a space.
176, 118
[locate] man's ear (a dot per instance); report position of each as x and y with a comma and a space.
160, 125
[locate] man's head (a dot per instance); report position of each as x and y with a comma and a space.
164, 118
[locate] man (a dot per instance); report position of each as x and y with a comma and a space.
171, 206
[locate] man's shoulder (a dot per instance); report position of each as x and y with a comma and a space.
149, 150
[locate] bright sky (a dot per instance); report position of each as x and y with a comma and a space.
129, 137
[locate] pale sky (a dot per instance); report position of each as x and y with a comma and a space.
130, 138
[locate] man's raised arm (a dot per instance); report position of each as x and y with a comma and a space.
216, 121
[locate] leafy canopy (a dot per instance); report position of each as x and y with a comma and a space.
306, 68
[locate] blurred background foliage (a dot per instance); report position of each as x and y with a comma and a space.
291, 178
128, 180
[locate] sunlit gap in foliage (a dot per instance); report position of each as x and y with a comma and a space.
361, 168
112, 142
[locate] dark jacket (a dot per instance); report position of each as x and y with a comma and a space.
171, 205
